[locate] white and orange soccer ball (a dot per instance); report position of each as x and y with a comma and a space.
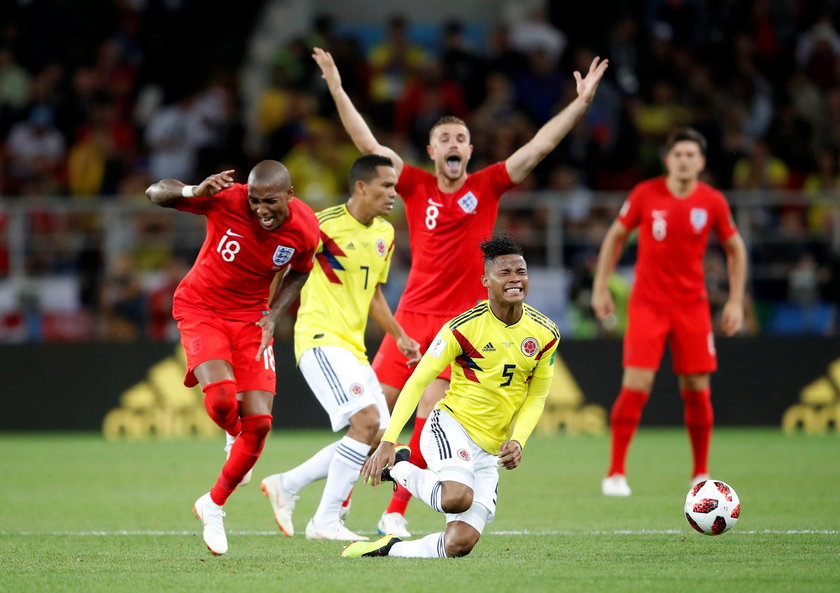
712, 507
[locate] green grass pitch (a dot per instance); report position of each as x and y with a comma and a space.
78, 513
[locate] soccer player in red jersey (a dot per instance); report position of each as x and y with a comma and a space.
674, 215
259, 236
449, 213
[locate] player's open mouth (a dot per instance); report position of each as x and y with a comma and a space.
513, 289
453, 162
267, 221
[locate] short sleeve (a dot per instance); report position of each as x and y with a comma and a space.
631, 210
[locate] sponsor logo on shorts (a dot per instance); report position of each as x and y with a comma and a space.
356, 389
529, 346
464, 454
381, 248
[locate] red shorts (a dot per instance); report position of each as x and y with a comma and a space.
236, 342
389, 363
687, 328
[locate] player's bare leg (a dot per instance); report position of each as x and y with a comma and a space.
625, 416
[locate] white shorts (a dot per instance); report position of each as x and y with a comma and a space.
453, 456
342, 384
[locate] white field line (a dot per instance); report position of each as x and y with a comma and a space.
96, 533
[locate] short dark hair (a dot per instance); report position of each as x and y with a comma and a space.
364, 169
499, 245
447, 119
686, 135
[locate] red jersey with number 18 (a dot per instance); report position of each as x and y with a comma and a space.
232, 275
673, 235
445, 230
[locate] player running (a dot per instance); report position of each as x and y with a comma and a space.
353, 259
449, 213
257, 234
502, 357
674, 215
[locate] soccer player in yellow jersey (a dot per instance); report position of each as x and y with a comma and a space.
351, 264
502, 357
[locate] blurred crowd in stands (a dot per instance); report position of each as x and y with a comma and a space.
98, 99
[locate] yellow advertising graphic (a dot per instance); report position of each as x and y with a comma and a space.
818, 410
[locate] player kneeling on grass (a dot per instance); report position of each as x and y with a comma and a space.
502, 356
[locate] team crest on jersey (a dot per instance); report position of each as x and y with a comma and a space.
464, 454
698, 217
356, 389
529, 346
381, 248
468, 202
282, 255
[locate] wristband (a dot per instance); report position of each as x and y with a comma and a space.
188, 191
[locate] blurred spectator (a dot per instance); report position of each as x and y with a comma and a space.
425, 100
162, 327
760, 169
818, 52
122, 302
14, 89
536, 33
173, 138
394, 64
36, 151
462, 65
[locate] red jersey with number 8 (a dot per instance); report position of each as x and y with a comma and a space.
445, 230
232, 275
672, 241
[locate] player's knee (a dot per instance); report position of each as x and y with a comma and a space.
455, 497
460, 542
364, 425
220, 401
257, 427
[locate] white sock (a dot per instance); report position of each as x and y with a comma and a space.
314, 468
422, 483
430, 546
344, 470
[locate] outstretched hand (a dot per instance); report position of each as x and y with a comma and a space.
587, 86
329, 71
383, 457
215, 183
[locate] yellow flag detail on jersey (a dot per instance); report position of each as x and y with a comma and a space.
351, 260
493, 368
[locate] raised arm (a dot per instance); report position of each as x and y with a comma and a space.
523, 161
169, 192
736, 264
608, 257
353, 122
382, 315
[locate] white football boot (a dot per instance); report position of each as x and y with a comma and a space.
212, 516
332, 531
615, 485
282, 502
229, 440
393, 524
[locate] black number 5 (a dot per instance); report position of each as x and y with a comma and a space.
507, 371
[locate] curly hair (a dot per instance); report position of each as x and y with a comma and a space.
499, 245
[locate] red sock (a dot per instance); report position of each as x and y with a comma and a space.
243, 455
220, 402
624, 419
346, 502
399, 501
699, 419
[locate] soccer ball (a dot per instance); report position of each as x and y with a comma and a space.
712, 507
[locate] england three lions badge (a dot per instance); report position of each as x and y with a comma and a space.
282, 255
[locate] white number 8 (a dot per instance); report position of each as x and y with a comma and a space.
432, 213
